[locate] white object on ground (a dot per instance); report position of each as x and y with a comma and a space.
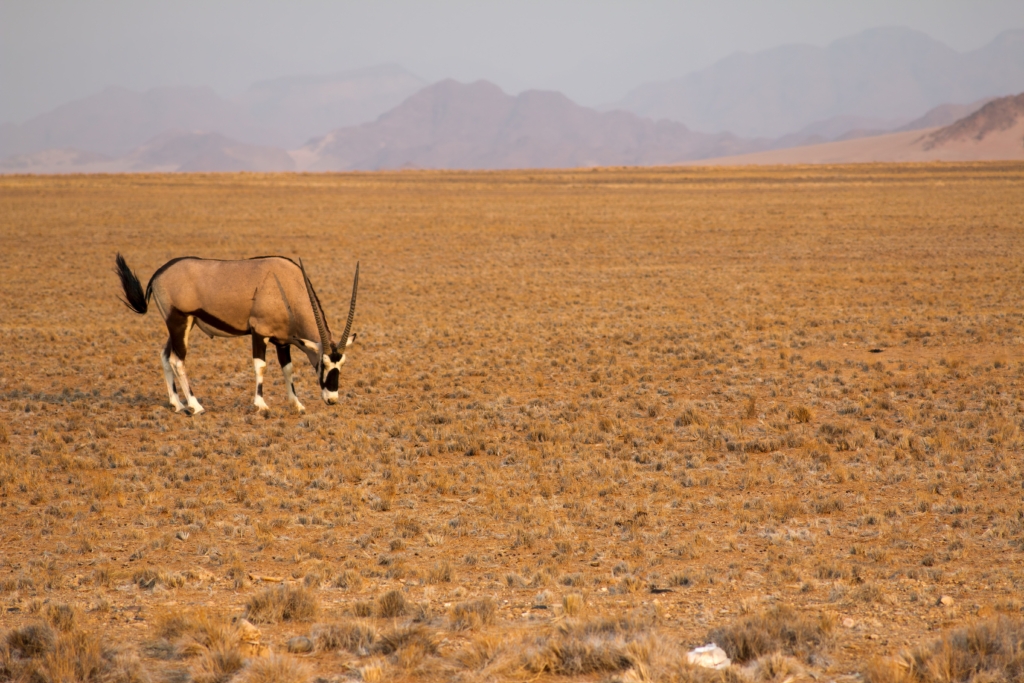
709, 656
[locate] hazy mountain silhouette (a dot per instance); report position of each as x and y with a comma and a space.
117, 120
885, 73
792, 96
183, 151
855, 127
998, 119
169, 152
944, 115
301, 107
285, 112
994, 132
453, 125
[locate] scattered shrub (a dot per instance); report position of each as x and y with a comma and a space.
283, 603
778, 629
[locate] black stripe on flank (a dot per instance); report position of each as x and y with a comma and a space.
217, 323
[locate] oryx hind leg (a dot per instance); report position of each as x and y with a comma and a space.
172, 388
259, 364
284, 357
179, 326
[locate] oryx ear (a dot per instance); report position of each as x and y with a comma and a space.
351, 340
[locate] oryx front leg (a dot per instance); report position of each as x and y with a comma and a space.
179, 326
259, 365
284, 357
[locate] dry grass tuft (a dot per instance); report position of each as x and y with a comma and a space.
392, 604
348, 580
30, 641
779, 667
355, 637
991, 650
596, 646
218, 665
481, 652
61, 616
414, 636
373, 671
190, 633
276, 669
441, 572
778, 629
679, 671
283, 603
800, 414
35, 653
472, 615
572, 604
691, 415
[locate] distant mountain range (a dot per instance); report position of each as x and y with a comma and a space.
995, 132
286, 112
117, 120
885, 73
170, 152
302, 107
874, 83
452, 125
477, 126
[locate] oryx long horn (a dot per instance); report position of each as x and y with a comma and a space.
351, 309
325, 338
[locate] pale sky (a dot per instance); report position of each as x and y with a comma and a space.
592, 50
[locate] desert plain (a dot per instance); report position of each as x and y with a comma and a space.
593, 419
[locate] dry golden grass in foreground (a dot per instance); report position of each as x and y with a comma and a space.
594, 419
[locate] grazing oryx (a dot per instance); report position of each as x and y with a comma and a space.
269, 297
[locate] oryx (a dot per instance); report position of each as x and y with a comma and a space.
269, 298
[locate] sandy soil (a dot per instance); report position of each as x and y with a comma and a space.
580, 395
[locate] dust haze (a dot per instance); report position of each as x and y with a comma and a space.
594, 52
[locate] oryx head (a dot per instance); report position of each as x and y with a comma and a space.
332, 356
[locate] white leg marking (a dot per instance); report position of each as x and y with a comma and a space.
259, 365
172, 395
179, 371
288, 382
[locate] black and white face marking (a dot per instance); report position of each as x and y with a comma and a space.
330, 373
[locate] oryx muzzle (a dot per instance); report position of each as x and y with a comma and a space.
269, 298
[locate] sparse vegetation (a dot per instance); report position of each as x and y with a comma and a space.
594, 419
988, 650
282, 603
779, 629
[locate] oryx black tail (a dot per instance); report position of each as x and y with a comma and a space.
134, 297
